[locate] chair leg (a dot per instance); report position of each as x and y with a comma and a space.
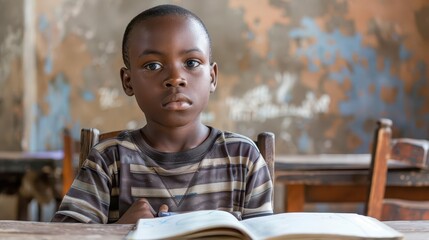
22, 211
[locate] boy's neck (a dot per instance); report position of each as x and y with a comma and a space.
175, 139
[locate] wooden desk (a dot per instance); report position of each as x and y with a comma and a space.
20, 162
22, 230
342, 178
15, 165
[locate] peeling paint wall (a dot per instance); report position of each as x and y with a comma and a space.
318, 73
11, 74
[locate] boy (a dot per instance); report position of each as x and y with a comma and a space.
174, 163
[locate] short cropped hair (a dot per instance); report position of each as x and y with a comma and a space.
161, 10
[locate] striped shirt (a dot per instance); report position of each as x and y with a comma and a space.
225, 172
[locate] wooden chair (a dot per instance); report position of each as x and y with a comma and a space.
68, 167
91, 136
412, 152
88, 138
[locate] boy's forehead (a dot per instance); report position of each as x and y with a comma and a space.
156, 23
164, 28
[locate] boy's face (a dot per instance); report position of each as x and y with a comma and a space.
170, 72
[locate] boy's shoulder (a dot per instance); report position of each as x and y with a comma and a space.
123, 139
236, 145
233, 137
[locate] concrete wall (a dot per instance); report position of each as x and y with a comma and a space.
11, 74
318, 73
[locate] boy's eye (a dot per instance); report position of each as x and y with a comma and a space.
152, 66
192, 63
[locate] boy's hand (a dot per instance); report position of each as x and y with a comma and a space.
163, 208
140, 209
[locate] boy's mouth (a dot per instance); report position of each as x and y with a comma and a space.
176, 101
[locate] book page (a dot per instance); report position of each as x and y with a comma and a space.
302, 225
184, 225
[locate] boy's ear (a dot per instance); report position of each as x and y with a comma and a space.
126, 81
213, 77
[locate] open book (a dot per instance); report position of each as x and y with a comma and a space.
303, 225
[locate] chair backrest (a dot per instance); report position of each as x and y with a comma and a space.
266, 145
91, 136
411, 152
70, 148
88, 138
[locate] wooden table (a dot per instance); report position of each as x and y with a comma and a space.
15, 165
23, 230
342, 178
20, 162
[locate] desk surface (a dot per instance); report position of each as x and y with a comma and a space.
28, 156
23, 230
342, 169
330, 162
20, 162
14, 230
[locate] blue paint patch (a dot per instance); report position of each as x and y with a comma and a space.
340, 75
88, 96
44, 28
404, 54
250, 35
50, 125
327, 45
75, 132
43, 23
48, 65
304, 143
362, 104
313, 67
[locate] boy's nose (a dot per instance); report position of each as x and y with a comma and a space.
175, 82
175, 76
